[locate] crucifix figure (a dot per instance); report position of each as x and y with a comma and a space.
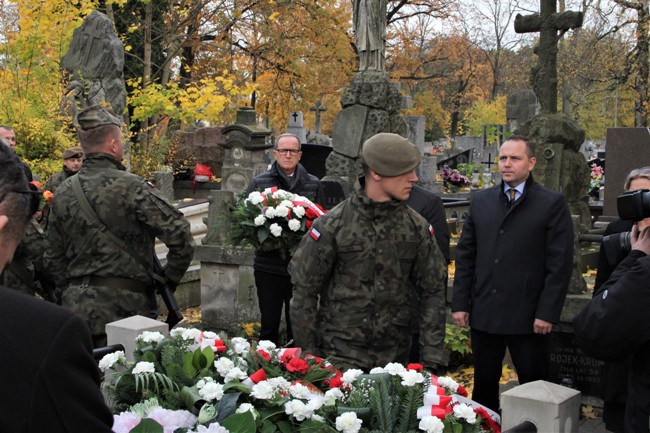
548, 22
318, 108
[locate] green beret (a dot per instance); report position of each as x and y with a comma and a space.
73, 152
96, 116
390, 155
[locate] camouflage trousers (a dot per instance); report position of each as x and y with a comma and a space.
99, 305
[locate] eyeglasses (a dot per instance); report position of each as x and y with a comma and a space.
292, 152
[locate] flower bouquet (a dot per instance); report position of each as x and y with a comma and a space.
452, 179
196, 381
272, 220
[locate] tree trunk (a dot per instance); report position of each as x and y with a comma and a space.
641, 81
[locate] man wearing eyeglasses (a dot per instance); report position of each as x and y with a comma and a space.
274, 289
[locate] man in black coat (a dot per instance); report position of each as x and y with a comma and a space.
274, 288
513, 266
49, 379
430, 206
614, 326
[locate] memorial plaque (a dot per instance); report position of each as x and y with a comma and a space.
461, 158
568, 362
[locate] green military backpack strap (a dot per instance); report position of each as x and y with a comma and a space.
92, 216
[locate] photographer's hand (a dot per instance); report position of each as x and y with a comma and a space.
641, 239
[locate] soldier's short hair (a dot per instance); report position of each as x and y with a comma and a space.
14, 192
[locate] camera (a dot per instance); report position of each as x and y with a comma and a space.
632, 206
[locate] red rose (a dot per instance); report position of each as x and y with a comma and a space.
416, 367
264, 355
297, 365
462, 391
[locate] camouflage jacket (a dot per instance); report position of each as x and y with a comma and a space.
56, 180
131, 208
351, 296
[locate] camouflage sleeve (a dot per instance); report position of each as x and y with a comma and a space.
169, 225
428, 277
310, 270
54, 261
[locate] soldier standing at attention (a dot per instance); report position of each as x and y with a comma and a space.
101, 280
71, 165
352, 270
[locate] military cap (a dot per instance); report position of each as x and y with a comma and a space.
96, 116
73, 152
390, 154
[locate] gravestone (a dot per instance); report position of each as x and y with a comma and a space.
244, 151
314, 157
521, 106
125, 331
416, 126
627, 148
95, 61
568, 363
551, 408
460, 158
297, 126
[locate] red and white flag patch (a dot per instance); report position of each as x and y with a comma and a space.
315, 234
431, 230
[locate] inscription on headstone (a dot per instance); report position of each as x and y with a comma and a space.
567, 362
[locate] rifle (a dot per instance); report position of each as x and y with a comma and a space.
162, 287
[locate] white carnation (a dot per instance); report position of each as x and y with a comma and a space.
235, 374
269, 212
191, 334
394, 369
276, 230
209, 389
464, 411
109, 360
247, 407
144, 367
240, 345
348, 423
287, 203
298, 390
448, 383
266, 346
411, 377
298, 409
211, 335
255, 198
259, 220
299, 211
281, 211
280, 383
377, 370
350, 376
332, 395
294, 225
223, 366
263, 390
431, 424
150, 337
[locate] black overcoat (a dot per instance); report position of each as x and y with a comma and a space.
514, 262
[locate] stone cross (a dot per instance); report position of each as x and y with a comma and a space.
489, 162
548, 22
318, 108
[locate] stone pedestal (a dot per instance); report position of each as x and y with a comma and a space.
552, 408
125, 331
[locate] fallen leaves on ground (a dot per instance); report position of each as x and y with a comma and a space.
588, 412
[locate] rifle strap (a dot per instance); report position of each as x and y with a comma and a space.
92, 216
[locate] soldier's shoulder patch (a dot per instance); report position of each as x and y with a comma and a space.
315, 234
150, 184
431, 230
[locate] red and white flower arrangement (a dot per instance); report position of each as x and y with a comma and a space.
273, 219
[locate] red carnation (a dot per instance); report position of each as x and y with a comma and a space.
462, 391
317, 360
264, 355
416, 367
336, 381
487, 423
297, 365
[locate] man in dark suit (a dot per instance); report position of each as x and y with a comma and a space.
513, 266
49, 379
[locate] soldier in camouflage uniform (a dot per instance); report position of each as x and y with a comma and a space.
71, 164
351, 271
101, 280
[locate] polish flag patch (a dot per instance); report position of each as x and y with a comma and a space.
431, 230
315, 234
